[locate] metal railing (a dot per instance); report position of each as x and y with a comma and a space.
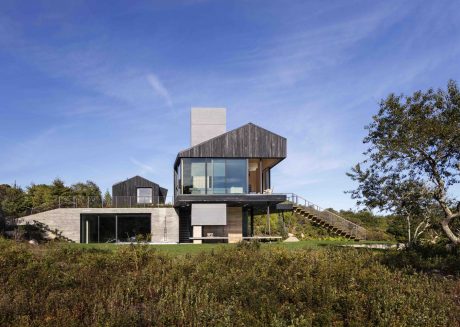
328, 217
80, 201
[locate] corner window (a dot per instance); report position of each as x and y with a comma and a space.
144, 195
214, 176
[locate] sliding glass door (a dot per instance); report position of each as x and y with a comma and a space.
110, 228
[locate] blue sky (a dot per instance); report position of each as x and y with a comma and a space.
101, 90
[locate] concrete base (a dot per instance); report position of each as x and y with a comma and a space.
164, 221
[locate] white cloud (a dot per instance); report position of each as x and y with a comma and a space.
159, 88
143, 166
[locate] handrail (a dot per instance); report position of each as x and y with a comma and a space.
329, 216
82, 201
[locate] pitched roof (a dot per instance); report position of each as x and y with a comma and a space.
145, 180
247, 141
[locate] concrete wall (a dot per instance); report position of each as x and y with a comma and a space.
165, 225
67, 220
206, 123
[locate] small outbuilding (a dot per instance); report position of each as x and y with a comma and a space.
137, 191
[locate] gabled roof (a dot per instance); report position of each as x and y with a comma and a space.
138, 178
247, 141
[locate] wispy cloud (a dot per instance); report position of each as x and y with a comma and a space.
143, 166
159, 88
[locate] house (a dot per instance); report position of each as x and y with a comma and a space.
220, 182
137, 209
133, 214
224, 178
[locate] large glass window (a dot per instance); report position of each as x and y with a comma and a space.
218, 177
194, 178
214, 176
144, 195
236, 173
111, 228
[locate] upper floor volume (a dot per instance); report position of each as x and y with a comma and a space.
237, 162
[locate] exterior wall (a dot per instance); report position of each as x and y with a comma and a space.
206, 123
235, 224
128, 188
67, 221
247, 141
165, 225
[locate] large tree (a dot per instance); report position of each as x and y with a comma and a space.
412, 163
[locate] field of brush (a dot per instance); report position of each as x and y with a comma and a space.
298, 284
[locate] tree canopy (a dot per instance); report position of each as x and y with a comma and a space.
413, 158
16, 202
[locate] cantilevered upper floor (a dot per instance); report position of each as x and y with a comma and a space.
233, 167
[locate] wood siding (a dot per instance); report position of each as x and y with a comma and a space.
235, 224
248, 141
128, 188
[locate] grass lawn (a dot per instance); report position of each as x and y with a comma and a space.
182, 249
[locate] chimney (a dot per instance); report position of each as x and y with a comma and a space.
206, 123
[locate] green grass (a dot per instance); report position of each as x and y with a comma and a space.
183, 249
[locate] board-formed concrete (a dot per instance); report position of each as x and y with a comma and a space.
165, 221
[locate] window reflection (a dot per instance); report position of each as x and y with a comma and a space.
214, 176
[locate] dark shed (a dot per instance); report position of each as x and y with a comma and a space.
137, 191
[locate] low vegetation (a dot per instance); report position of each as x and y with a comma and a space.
247, 284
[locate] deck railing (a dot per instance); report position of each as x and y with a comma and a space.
80, 201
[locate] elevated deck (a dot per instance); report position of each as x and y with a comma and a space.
230, 199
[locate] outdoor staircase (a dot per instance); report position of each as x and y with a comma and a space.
45, 229
327, 219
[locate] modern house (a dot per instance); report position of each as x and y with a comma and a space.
137, 209
220, 182
224, 178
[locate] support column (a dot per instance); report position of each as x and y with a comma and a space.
269, 220
197, 232
252, 221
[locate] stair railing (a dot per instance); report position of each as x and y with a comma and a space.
329, 217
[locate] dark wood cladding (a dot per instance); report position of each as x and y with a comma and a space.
248, 141
127, 189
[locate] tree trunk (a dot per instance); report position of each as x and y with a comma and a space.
446, 228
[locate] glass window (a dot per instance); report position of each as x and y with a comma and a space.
107, 229
218, 176
236, 176
144, 195
214, 176
194, 178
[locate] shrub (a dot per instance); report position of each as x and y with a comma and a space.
239, 286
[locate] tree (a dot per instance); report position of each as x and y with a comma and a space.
13, 202
41, 197
107, 199
413, 159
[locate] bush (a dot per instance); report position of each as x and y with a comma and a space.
239, 286
426, 258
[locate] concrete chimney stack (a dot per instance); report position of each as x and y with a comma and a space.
206, 123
